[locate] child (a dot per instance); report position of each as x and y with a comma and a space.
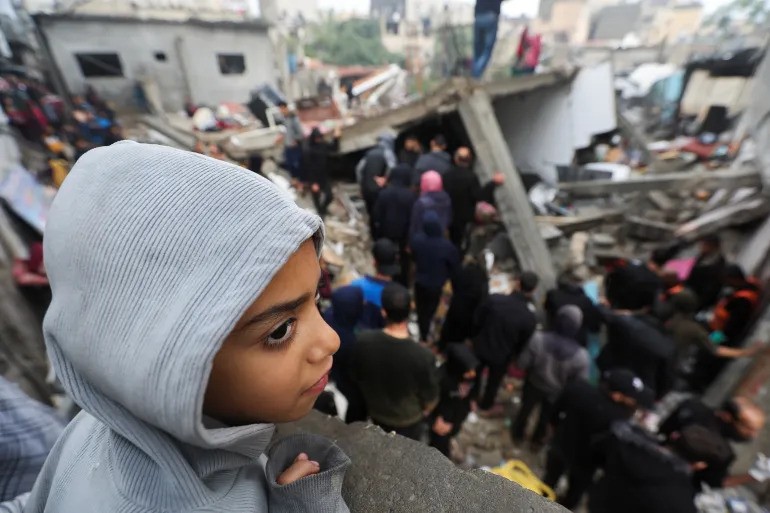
184, 323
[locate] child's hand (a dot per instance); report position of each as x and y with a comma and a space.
302, 467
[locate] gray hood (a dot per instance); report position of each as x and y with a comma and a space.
146, 286
568, 321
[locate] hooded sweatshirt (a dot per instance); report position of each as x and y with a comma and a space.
554, 358
393, 210
432, 197
436, 259
153, 256
377, 162
343, 316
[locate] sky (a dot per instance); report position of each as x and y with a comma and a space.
510, 8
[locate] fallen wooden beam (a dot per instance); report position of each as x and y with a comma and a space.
720, 218
672, 181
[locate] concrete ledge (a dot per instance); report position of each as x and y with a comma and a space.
393, 474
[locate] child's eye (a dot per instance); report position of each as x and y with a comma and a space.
282, 333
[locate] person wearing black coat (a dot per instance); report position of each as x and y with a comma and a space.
638, 342
436, 160
315, 163
454, 405
436, 261
469, 289
505, 323
393, 213
706, 275
465, 190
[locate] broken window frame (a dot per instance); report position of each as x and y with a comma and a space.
238, 67
108, 70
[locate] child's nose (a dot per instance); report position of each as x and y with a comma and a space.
327, 342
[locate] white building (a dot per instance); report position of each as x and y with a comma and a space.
209, 61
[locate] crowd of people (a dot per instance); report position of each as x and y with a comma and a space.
663, 334
241, 341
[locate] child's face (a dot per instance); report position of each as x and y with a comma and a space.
274, 364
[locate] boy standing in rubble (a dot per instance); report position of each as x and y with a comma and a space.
184, 324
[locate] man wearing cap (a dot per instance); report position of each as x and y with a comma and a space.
396, 375
387, 266
582, 415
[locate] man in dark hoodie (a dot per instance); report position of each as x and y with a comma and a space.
411, 152
581, 416
343, 316
315, 163
469, 289
551, 359
372, 172
436, 261
636, 340
706, 275
393, 213
641, 476
456, 379
569, 291
436, 160
505, 324
464, 188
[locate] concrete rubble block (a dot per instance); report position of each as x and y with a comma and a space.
646, 229
723, 217
392, 474
655, 215
661, 200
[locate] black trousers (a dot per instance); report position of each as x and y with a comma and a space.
496, 373
414, 431
370, 200
427, 300
579, 477
532, 397
322, 199
458, 234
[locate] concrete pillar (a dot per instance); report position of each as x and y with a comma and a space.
493, 155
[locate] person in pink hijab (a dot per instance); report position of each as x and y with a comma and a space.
432, 197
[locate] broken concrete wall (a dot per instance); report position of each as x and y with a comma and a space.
394, 474
756, 118
543, 128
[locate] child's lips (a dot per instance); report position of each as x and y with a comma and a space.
319, 385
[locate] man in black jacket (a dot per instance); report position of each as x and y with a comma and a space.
393, 213
372, 172
636, 341
706, 276
465, 190
315, 163
505, 324
582, 416
437, 160
641, 476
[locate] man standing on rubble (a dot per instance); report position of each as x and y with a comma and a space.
292, 145
465, 190
411, 151
372, 172
505, 323
397, 376
387, 265
437, 160
706, 276
484, 34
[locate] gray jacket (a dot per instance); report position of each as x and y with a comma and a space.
554, 358
153, 255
